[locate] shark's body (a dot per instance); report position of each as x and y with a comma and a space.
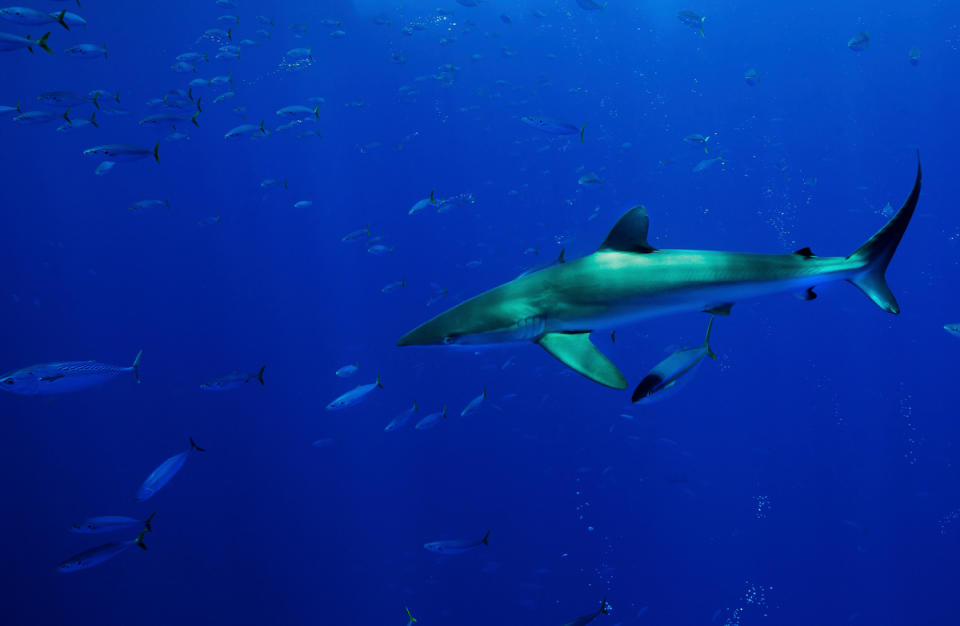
628, 280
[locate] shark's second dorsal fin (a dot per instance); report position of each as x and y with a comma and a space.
805, 252
629, 234
576, 352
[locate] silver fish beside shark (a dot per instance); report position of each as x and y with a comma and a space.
628, 280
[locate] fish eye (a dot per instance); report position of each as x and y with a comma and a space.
9, 381
449, 339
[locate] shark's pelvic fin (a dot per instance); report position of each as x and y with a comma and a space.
878, 250
577, 352
629, 234
723, 310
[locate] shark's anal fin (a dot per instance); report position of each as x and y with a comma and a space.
577, 352
723, 310
629, 234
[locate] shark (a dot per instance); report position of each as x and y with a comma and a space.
627, 280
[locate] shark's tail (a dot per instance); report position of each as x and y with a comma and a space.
874, 256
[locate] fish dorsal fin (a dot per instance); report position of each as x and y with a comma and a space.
629, 234
577, 352
805, 252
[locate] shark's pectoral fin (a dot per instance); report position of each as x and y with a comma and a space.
577, 352
722, 310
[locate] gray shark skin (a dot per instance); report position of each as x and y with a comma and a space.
627, 280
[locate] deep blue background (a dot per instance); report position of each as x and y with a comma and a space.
814, 461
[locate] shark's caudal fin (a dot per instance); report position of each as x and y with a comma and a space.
876, 253
576, 352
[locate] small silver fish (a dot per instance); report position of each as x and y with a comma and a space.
354, 396
246, 130
474, 405
397, 284
96, 556
357, 234
10, 42
87, 51
432, 420
123, 152
164, 473
953, 329
400, 420
110, 523
456, 546
668, 376
144, 205
232, 381
589, 617
860, 41
348, 370
104, 168
64, 377
553, 126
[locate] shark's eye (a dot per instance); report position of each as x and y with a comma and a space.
449, 339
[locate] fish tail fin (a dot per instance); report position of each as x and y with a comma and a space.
93, 120
146, 522
262, 129
156, 152
19, 110
415, 407
378, 381
135, 368
194, 119
42, 42
66, 116
706, 342
484, 392
316, 111
116, 97
603, 606
874, 256
105, 50
194, 446
139, 539
230, 34
443, 411
582, 129
485, 538
410, 618
60, 19
286, 183
96, 101
260, 374
199, 110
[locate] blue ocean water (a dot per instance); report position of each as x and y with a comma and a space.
806, 476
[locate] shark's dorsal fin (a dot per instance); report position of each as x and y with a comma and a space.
629, 234
576, 352
805, 252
